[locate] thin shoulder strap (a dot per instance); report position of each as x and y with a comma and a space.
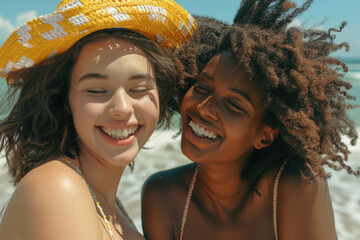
187, 203
275, 196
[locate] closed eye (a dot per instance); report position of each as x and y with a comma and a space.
139, 90
201, 88
96, 91
235, 107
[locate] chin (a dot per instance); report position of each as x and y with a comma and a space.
124, 158
190, 152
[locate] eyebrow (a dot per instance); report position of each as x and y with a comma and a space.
206, 75
93, 75
142, 76
237, 91
101, 77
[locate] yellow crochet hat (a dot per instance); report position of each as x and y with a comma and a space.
163, 21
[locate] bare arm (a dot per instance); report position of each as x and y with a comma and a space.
305, 210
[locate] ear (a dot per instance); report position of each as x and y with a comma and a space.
266, 138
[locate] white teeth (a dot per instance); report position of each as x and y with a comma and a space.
202, 132
119, 133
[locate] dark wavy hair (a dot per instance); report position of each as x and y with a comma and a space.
301, 84
40, 128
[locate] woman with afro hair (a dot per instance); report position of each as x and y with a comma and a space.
263, 110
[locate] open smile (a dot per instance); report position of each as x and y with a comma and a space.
119, 133
202, 132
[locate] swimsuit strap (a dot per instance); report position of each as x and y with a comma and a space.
187, 202
275, 195
97, 203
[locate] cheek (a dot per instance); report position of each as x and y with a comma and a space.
85, 114
91, 110
183, 113
186, 101
148, 108
243, 131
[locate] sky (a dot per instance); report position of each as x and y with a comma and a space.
322, 14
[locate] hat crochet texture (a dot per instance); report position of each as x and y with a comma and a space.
162, 21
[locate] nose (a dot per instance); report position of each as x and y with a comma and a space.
121, 104
207, 108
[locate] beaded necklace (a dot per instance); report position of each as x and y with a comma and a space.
97, 203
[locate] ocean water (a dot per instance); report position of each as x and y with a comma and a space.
164, 153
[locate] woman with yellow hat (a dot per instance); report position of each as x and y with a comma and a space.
92, 80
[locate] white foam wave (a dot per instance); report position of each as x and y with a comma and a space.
355, 150
353, 75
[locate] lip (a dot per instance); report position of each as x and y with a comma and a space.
120, 142
195, 139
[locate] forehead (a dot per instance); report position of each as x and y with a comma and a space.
225, 68
111, 57
104, 52
227, 76
110, 45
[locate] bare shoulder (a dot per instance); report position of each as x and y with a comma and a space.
162, 201
292, 187
53, 181
167, 187
51, 202
173, 179
305, 209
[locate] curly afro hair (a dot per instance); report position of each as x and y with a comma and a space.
301, 84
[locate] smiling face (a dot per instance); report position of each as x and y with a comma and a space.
222, 117
114, 100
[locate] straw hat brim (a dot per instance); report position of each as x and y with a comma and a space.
162, 21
